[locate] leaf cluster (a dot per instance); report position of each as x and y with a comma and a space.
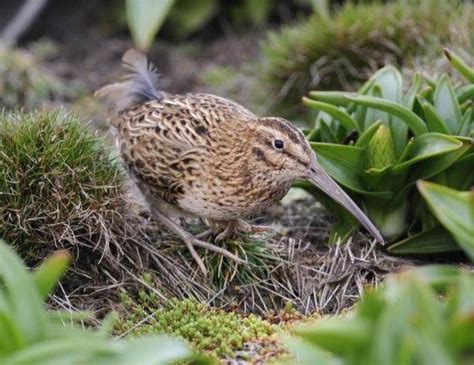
421, 316
29, 334
379, 142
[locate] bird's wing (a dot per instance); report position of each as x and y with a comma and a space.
167, 143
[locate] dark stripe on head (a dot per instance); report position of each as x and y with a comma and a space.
283, 126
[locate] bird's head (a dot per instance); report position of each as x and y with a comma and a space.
281, 149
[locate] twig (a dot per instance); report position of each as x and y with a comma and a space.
23, 19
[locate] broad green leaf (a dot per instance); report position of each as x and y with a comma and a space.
344, 164
460, 65
367, 135
331, 97
48, 274
335, 112
428, 168
338, 335
145, 18
25, 305
460, 174
435, 240
447, 105
433, 119
467, 124
408, 99
455, 210
305, 354
414, 122
427, 146
464, 93
326, 134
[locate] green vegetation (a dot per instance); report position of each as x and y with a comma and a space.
183, 17
403, 322
24, 83
379, 142
29, 334
58, 184
208, 330
338, 51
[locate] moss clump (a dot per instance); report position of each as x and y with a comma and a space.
24, 81
58, 185
208, 330
339, 51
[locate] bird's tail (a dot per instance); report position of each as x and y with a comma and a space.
140, 83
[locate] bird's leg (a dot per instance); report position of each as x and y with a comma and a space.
192, 241
239, 225
243, 226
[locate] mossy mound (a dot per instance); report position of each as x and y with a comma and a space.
339, 51
58, 184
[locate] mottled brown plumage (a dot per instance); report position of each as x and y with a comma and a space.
206, 156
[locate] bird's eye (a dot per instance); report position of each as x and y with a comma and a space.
278, 144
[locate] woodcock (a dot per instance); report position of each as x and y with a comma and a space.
206, 156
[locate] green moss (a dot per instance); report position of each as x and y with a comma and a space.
208, 330
58, 184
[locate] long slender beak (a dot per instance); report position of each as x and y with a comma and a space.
323, 181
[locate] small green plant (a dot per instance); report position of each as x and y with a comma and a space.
379, 142
29, 334
25, 83
58, 184
208, 330
403, 322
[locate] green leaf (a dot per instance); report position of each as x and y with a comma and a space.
446, 103
187, 16
25, 304
427, 146
435, 240
48, 274
467, 124
333, 111
344, 164
367, 135
409, 98
145, 18
460, 65
326, 133
433, 119
331, 97
338, 335
414, 122
455, 211
464, 93
460, 174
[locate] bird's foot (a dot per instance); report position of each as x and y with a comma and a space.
240, 226
192, 241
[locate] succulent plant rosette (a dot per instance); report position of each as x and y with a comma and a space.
406, 154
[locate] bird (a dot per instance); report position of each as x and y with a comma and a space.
202, 155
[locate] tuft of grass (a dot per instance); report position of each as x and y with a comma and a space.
341, 50
25, 82
208, 330
58, 184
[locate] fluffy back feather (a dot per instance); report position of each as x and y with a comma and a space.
140, 83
